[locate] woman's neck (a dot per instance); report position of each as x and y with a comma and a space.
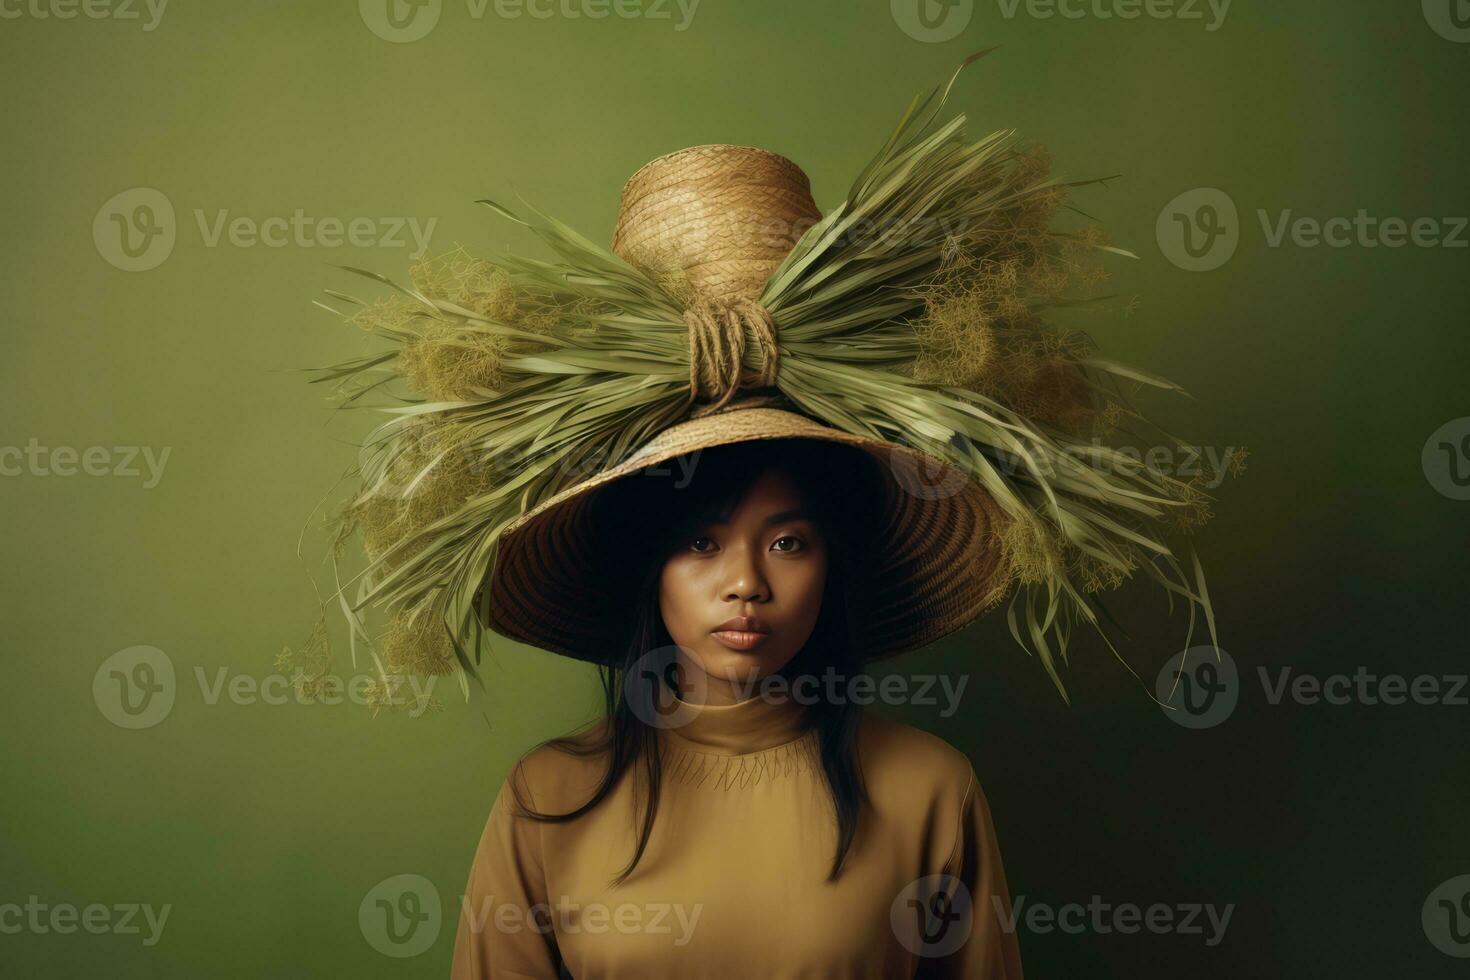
736, 719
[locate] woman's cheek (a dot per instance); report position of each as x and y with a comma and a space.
678, 588
803, 586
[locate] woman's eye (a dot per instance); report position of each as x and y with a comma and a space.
694, 543
796, 543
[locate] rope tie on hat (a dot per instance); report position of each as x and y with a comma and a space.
720, 333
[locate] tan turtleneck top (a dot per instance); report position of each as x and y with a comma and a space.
733, 881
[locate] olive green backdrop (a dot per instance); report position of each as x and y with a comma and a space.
265, 826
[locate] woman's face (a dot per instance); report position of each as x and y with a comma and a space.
765, 560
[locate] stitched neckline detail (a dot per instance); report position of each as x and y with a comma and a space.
687, 765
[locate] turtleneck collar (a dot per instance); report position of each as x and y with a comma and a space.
758, 723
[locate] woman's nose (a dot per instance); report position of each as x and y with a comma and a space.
744, 578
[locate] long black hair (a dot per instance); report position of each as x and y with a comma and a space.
644, 518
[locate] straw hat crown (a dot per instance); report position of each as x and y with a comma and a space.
722, 216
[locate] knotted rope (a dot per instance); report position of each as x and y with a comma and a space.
720, 333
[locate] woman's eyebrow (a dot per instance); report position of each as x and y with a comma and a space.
796, 513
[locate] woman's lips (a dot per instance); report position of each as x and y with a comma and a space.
740, 640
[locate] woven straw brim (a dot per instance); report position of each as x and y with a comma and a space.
938, 558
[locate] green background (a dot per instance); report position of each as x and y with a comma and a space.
264, 826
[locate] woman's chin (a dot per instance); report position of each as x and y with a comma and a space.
738, 668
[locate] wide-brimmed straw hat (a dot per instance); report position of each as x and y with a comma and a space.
725, 217
909, 324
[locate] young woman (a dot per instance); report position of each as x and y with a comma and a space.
737, 813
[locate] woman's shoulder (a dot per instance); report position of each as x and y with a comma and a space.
557, 770
901, 759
